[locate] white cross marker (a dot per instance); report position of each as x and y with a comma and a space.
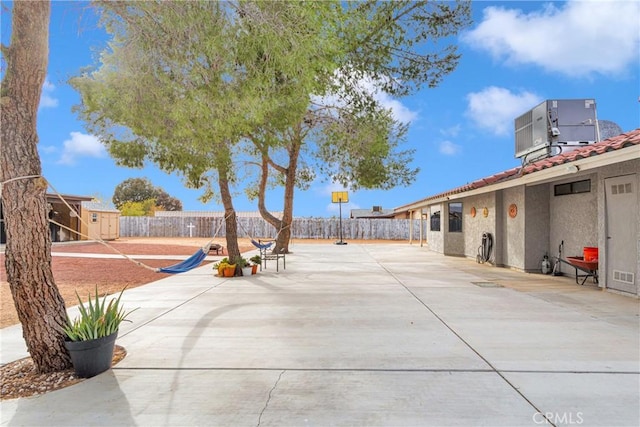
191, 227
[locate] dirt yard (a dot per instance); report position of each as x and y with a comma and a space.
112, 275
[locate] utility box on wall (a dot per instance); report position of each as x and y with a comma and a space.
555, 126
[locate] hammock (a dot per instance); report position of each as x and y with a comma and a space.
262, 246
192, 262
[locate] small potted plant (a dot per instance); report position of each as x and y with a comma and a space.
223, 267
90, 337
245, 266
255, 262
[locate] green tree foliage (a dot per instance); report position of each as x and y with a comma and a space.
166, 202
186, 84
143, 208
392, 47
183, 82
138, 190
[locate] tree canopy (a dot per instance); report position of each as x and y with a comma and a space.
199, 87
139, 190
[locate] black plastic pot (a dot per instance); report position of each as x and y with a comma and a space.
92, 357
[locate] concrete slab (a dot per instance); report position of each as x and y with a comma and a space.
361, 335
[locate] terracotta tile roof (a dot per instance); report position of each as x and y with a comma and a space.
611, 144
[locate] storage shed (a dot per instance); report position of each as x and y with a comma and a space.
100, 221
65, 224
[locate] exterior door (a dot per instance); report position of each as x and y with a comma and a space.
621, 198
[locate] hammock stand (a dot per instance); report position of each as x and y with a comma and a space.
266, 255
263, 246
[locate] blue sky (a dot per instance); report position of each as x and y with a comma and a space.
514, 56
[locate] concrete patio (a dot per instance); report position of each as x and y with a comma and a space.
359, 335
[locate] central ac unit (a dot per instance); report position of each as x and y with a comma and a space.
555, 126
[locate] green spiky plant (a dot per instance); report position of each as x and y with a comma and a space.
97, 319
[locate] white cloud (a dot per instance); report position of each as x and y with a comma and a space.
400, 112
46, 98
449, 148
47, 148
494, 108
80, 145
451, 131
346, 208
330, 188
577, 39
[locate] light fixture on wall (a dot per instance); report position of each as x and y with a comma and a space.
572, 168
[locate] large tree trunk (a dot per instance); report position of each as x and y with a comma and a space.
282, 226
231, 221
284, 234
262, 207
37, 300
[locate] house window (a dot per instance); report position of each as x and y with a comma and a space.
455, 217
435, 221
572, 188
94, 217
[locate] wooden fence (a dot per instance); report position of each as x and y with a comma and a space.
302, 228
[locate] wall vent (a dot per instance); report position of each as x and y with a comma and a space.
624, 276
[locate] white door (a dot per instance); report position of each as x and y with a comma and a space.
621, 196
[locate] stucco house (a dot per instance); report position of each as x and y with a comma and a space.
587, 197
374, 212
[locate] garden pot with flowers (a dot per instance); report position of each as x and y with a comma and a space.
90, 337
245, 266
255, 262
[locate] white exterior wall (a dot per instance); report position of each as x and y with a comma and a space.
536, 222
475, 226
512, 229
574, 217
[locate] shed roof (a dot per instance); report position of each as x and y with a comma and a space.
619, 142
99, 207
69, 198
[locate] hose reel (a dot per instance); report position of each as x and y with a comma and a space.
485, 249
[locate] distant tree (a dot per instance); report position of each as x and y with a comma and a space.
144, 208
142, 190
167, 203
133, 190
40, 307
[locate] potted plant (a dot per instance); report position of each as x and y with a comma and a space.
244, 266
255, 262
222, 266
90, 337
